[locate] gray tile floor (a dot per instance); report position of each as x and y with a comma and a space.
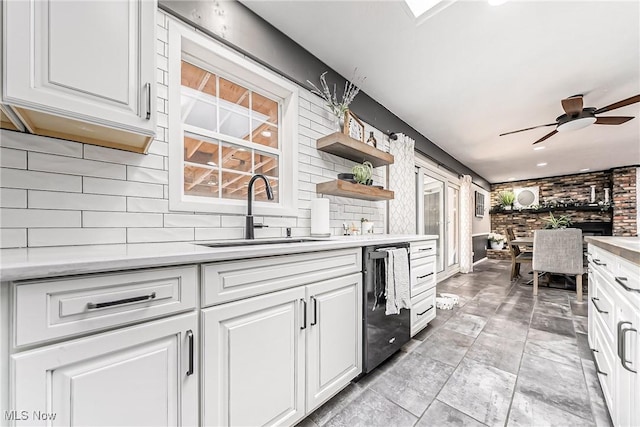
500, 358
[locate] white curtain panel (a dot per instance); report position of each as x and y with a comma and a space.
466, 224
402, 180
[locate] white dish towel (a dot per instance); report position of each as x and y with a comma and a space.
397, 281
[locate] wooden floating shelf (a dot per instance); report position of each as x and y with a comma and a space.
346, 147
342, 188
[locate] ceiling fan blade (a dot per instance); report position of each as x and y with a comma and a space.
522, 130
612, 120
547, 136
619, 104
572, 105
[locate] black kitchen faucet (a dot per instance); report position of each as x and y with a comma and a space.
249, 225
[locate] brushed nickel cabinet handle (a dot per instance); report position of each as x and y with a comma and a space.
315, 311
598, 262
621, 281
190, 340
595, 362
431, 307
93, 306
622, 345
593, 300
147, 88
304, 314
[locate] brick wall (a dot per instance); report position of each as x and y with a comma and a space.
623, 195
625, 203
56, 192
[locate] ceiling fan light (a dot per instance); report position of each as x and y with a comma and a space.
576, 124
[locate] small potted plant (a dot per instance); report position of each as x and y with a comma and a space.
362, 173
563, 221
506, 199
496, 240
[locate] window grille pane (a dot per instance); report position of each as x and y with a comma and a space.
264, 120
234, 185
266, 164
198, 97
200, 181
236, 158
200, 150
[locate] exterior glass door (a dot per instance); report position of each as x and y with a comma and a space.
453, 226
438, 213
433, 213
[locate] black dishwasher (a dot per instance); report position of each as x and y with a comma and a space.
382, 335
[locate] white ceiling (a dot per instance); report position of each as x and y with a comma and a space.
474, 71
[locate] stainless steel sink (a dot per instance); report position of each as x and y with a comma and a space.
258, 242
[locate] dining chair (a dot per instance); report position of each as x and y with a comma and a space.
511, 235
517, 256
558, 251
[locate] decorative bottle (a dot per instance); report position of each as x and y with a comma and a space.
372, 140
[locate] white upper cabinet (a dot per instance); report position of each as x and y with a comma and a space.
83, 71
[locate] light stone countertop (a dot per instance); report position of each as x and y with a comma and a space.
32, 263
625, 247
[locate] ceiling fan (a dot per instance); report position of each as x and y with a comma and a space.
577, 117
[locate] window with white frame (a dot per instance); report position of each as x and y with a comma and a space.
229, 119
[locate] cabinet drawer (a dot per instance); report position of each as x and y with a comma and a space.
423, 248
601, 260
604, 357
423, 275
603, 305
59, 308
627, 274
229, 281
423, 310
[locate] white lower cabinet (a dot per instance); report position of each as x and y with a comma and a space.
141, 375
614, 333
334, 343
263, 357
423, 284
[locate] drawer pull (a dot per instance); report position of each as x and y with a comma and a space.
431, 307
93, 306
426, 275
190, 339
622, 345
593, 300
598, 262
425, 249
621, 281
595, 362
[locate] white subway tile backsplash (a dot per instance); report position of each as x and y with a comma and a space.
40, 144
149, 235
13, 237
275, 221
143, 204
10, 158
185, 220
16, 178
121, 188
75, 201
73, 166
12, 198
38, 218
228, 233
120, 219
154, 176
76, 236
160, 148
103, 154
228, 221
